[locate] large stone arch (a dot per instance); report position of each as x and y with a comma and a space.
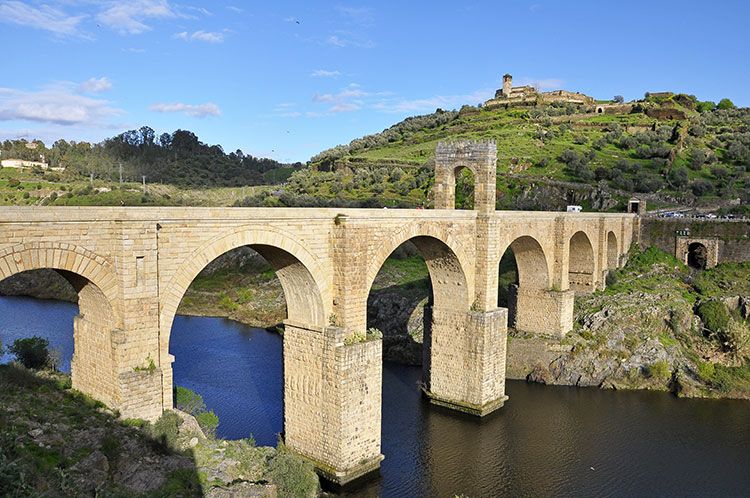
446, 259
70, 258
306, 289
94, 365
581, 263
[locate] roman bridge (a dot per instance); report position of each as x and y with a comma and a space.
131, 267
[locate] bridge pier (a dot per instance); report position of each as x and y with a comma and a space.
332, 400
464, 359
547, 312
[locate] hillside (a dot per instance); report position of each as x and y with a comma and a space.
565, 150
672, 150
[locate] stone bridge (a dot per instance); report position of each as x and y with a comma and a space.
131, 267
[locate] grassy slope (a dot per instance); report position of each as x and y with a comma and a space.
37, 189
51, 434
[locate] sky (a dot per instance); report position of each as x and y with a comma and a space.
289, 79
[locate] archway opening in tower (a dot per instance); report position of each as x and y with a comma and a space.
697, 256
227, 340
465, 183
71, 316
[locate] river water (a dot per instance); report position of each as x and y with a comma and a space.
546, 441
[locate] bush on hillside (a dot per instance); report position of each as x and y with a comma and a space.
715, 316
31, 352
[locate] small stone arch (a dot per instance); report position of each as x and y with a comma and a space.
458, 172
480, 157
697, 256
93, 368
581, 264
532, 277
531, 261
613, 253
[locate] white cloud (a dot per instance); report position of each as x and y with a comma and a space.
58, 104
204, 36
130, 17
541, 84
323, 73
192, 110
44, 17
235, 9
345, 107
95, 85
431, 103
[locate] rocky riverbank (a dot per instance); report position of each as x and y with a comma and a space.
57, 442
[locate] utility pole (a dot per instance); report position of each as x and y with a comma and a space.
144, 183
91, 178
120, 163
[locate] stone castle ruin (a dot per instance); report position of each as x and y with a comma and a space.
510, 95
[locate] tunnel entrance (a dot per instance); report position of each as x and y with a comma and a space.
697, 256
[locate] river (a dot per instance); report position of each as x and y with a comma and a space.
545, 441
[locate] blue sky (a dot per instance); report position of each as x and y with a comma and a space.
289, 79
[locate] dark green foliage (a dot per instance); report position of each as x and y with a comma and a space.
715, 316
208, 421
165, 430
294, 476
188, 401
192, 403
31, 352
725, 104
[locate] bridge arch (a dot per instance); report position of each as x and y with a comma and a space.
446, 259
93, 367
581, 264
69, 258
306, 290
531, 262
613, 253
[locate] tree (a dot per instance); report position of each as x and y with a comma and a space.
619, 99
706, 106
725, 104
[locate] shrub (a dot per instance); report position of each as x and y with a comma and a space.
208, 421
293, 475
659, 370
31, 352
165, 430
188, 401
737, 337
715, 316
725, 104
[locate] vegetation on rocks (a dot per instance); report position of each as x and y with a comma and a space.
55, 441
655, 328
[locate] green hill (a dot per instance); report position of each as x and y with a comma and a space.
563, 152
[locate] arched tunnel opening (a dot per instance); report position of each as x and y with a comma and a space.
697, 257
